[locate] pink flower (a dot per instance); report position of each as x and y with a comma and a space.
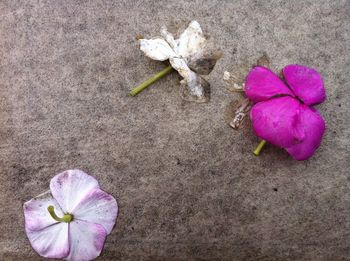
283, 115
72, 220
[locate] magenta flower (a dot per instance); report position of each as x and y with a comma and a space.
72, 220
283, 115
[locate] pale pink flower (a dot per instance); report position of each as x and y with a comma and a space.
72, 220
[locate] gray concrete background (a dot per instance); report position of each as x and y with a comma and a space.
187, 184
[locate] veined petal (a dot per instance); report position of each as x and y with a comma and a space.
70, 187
306, 83
157, 49
312, 124
262, 84
98, 207
50, 242
191, 40
276, 121
86, 240
36, 214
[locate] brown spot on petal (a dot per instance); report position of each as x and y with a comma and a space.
139, 37
204, 63
202, 66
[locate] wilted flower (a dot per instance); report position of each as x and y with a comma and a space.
72, 220
189, 55
283, 115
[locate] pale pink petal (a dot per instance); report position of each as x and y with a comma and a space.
312, 124
86, 240
98, 207
70, 187
36, 215
306, 83
262, 84
50, 242
275, 121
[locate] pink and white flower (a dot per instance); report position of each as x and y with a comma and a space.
72, 220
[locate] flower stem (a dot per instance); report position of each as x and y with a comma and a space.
66, 217
151, 80
259, 148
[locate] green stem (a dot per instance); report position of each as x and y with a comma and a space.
151, 80
259, 148
66, 217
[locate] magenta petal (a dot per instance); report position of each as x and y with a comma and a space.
312, 124
306, 83
262, 84
275, 121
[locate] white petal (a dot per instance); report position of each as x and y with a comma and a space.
36, 214
190, 77
181, 66
191, 40
98, 207
86, 240
169, 38
70, 187
50, 242
157, 49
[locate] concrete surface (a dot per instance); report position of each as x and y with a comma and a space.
187, 184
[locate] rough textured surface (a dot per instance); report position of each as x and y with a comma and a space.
188, 186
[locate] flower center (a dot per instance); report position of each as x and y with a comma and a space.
66, 217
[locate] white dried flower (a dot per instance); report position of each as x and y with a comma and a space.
186, 55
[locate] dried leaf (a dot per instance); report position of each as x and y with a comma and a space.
264, 61
236, 112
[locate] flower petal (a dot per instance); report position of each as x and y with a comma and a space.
86, 240
98, 207
275, 121
169, 38
191, 40
70, 187
312, 124
191, 78
262, 84
36, 214
157, 49
50, 242
306, 83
